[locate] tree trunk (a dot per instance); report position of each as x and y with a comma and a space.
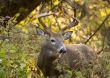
12, 7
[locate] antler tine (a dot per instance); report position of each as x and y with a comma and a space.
41, 22
43, 15
71, 24
75, 21
40, 15
56, 19
58, 25
50, 27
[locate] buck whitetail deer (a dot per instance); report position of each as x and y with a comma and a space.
54, 52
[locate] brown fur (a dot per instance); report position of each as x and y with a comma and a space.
77, 56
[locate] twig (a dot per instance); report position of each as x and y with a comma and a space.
73, 5
103, 41
98, 28
56, 5
4, 37
45, 14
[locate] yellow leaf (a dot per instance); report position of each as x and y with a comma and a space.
102, 13
24, 29
108, 10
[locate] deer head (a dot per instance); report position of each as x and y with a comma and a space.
55, 40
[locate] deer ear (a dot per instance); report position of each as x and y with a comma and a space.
67, 35
40, 31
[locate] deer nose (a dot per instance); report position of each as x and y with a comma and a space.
62, 50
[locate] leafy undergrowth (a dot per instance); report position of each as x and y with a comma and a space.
18, 52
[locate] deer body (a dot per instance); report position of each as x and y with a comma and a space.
54, 51
73, 55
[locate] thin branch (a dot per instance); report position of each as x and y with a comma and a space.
73, 5
103, 41
4, 37
99, 27
56, 5
45, 14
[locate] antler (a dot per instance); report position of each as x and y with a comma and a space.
71, 24
75, 21
40, 15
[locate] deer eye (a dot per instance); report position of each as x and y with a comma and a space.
52, 40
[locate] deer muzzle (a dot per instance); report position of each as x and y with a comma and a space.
63, 50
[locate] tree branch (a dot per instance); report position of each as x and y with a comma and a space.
99, 27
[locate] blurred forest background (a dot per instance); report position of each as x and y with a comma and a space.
20, 45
